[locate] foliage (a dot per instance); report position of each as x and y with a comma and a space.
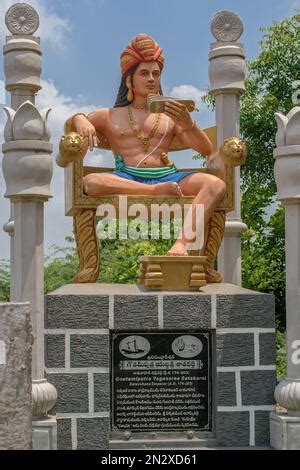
120, 258
4, 281
119, 262
60, 266
263, 261
280, 354
269, 89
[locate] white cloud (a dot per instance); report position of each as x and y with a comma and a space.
57, 225
2, 92
97, 158
62, 107
52, 29
292, 7
189, 92
295, 6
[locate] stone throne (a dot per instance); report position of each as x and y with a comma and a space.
83, 208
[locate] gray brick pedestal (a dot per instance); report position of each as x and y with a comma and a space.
79, 318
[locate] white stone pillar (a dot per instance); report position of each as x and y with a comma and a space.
285, 427
27, 169
22, 68
9, 228
227, 70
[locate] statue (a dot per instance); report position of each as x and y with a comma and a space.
140, 141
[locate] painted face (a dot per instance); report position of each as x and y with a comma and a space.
146, 79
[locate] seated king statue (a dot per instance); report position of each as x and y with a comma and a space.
140, 140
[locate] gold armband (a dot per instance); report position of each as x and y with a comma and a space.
79, 114
69, 124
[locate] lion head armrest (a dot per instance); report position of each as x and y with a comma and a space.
72, 147
233, 152
72, 150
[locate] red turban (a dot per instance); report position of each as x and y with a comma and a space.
141, 49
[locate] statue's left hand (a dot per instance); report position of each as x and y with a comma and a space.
179, 113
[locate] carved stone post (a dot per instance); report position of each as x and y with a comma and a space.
15, 376
227, 71
27, 169
285, 427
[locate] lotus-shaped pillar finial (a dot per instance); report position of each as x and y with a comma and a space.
288, 132
27, 123
27, 162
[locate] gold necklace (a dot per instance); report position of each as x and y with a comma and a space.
145, 140
138, 107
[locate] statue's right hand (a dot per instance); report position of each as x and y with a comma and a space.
87, 130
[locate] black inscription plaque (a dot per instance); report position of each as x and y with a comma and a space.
161, 381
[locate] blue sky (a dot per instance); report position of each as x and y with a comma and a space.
82, 41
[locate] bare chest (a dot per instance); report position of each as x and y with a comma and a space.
123, 127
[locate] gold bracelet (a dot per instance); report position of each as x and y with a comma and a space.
191, 128
79, 114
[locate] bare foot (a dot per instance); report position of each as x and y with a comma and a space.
168, 188
178, 249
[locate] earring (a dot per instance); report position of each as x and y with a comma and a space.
130, 95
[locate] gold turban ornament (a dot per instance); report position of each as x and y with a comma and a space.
142, 48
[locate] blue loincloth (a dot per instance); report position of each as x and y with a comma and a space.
149, 175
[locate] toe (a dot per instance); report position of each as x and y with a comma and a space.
177, 188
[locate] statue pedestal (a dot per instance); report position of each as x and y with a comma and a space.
136, 369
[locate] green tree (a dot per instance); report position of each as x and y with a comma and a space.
269, 88
119, 259
264, 261
60, 266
